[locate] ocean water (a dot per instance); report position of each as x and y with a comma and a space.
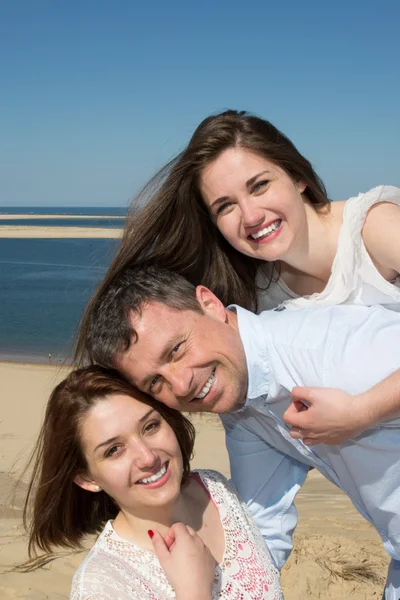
44, 287
76, 222
64, 210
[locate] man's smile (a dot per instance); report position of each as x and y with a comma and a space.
207, 386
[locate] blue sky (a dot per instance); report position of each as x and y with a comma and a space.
96, 96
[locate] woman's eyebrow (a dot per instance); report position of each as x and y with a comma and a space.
147, 414
250, 181
110, 441
116, 437
219, 201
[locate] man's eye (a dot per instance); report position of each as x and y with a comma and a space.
176, 348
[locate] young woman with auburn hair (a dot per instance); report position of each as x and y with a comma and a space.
113, 461
241, 211
203, 213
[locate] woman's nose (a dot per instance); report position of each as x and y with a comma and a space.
145, 457
252, 215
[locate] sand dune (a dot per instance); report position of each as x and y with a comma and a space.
337, 554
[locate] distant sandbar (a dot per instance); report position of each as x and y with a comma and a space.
7, 217
28, 231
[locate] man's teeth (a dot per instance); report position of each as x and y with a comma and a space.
267, 231
207, 386
156, 476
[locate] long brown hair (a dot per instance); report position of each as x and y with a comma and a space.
58, 512
170, 226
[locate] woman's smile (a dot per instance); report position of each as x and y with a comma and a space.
158, 479
266, 232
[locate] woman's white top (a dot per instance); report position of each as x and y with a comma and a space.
354, 278
120, 570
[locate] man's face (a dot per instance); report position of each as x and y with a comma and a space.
190, 361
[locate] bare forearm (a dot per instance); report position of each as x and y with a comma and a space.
334, 416
382, 402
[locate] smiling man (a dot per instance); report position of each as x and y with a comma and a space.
182, 346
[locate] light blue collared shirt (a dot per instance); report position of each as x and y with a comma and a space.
346, 347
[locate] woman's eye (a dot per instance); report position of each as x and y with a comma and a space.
112, 451
223, 207
154, 382
259, 185
153, 425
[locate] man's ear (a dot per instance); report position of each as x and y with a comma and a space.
83, 480
210, 304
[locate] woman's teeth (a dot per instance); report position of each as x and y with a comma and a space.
207, 386
267, 231
156, 476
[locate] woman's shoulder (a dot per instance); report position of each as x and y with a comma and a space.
102, 573
219, 487
361, 212
211, 476
95, 566
362, 203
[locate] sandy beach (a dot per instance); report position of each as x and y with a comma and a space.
48, 231
44, 231
337, 554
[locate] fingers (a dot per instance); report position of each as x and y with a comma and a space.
309, 442
169, 538
174, 530
292, 413
299, 421
164, 544
160, 547
306, 394
296, 433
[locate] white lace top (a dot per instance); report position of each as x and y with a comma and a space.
119, 570
354, 278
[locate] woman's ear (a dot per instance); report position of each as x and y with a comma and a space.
210, 304
301, 186
84, 482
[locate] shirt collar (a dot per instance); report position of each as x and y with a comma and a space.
253, 335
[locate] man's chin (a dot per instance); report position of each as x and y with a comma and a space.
218, 406
226, 405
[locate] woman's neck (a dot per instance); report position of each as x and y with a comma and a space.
134, 525
308, 264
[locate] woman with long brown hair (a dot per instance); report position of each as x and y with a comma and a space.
241, 211
112, 461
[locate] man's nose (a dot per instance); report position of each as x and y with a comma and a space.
252, 215
180, 380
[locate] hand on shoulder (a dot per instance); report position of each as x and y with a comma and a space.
187, 563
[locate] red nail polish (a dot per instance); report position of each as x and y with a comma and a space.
150, 533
